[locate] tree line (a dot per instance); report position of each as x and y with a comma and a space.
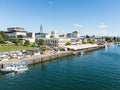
3, 37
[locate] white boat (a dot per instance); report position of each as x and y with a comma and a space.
8, 69
21, 67
15, 68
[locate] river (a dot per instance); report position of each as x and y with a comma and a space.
96, 70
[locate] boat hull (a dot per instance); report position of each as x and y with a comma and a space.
21, 70
6, 71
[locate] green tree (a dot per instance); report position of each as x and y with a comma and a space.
43, 48
40, 42
68, 43
16, 41
84, 42
115, 39
4, 36
26, 43
118, 39
91, 41
109, 39
1, 38
34, 45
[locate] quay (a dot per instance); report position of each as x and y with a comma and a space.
48, 57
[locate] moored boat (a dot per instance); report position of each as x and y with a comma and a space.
15, 68
21, 67
8, 69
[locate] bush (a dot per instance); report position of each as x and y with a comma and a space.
84, 42
68, 43
91, 41
26, 43
43, 48
16, 41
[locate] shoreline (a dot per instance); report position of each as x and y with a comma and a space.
49, 57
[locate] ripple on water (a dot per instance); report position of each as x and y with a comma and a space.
98, 70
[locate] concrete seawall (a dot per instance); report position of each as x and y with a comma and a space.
47, 57
37, 59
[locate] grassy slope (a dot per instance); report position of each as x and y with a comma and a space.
8, 48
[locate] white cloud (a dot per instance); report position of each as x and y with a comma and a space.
102, 25
77, 25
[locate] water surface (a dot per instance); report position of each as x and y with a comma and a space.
97, 70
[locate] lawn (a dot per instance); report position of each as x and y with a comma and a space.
7, 48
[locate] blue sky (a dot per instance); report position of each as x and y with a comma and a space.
98, 17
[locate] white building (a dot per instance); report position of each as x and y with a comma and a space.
55, 42
14, 32
75, 34
21, 34
52, 42
62, 42
41, 35
99, 40
31, 37
54, 34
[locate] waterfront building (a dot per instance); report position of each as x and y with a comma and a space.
55, 42
74, 34
52, 42
85, 40
76, 41
54, 34
16, 32
99, 40
41, 34
62, 41
31, 37
62, 36
21, 34
74, 38
69, 35
79, 41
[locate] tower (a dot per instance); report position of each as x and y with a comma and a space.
41, 29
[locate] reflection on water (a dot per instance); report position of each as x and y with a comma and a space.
12, 74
